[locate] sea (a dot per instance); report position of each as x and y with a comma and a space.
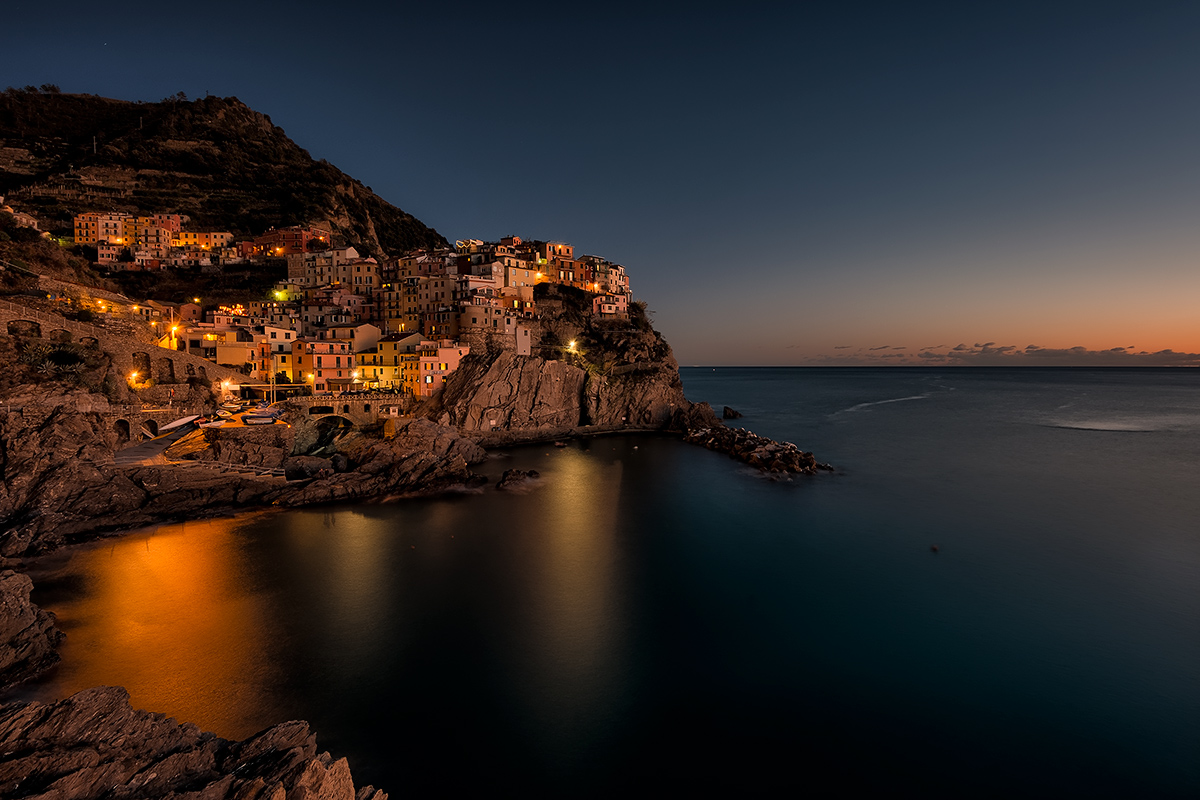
995, 593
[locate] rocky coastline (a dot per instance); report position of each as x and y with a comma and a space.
95, 745
62, 485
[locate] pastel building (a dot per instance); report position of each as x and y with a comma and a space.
326, 364
434, 362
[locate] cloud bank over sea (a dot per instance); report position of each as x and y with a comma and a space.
991, 354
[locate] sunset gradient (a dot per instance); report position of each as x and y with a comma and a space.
932, 183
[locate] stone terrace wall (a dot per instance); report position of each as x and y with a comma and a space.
128, 353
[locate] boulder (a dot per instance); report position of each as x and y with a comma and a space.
729, 413
513, 478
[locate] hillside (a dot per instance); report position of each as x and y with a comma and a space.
220, 162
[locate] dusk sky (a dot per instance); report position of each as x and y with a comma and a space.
1013, 183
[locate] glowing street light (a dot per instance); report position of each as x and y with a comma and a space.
571, 345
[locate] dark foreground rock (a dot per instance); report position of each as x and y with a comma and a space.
729, 413
513, 478
95, 745
27, 633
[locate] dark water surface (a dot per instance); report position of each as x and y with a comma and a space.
654, 616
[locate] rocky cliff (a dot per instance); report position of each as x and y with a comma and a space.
584, 372
95, 745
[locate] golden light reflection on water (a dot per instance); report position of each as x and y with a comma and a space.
577, 628
341, 562
176, 623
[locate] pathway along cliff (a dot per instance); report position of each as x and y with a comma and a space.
586, 376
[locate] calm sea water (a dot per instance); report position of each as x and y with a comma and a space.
653, 616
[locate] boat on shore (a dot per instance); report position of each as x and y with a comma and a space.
257, 419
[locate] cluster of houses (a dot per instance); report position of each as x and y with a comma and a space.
341, 322
133, 242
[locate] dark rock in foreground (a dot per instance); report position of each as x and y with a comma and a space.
27, 633
95, 745
729, 413
516, 477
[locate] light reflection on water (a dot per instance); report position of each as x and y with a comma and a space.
651, 605
172, 616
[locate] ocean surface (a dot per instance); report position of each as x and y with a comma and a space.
651, 616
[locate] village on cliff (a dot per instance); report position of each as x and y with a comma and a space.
339, 322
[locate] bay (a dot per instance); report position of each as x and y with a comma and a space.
653, 616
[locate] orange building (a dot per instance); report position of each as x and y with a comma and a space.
434, 362
288, 241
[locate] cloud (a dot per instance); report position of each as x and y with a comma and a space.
994, 355
843, 346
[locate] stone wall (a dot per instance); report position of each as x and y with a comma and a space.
129, 353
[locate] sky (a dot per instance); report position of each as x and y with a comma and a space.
839, 183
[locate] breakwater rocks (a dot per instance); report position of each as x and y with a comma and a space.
95, 745
27, 633
757, 451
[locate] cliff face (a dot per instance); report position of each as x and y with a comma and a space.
94, 745
585, 371
529, 394
220, 162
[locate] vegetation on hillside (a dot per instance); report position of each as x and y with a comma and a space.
223, 164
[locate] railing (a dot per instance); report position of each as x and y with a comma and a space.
313, 399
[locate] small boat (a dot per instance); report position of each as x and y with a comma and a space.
560, 444
257, 419
214, 423
223, 414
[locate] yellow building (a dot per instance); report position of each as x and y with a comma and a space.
206, 240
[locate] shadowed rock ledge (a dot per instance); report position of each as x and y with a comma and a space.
27, 633
94, 745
